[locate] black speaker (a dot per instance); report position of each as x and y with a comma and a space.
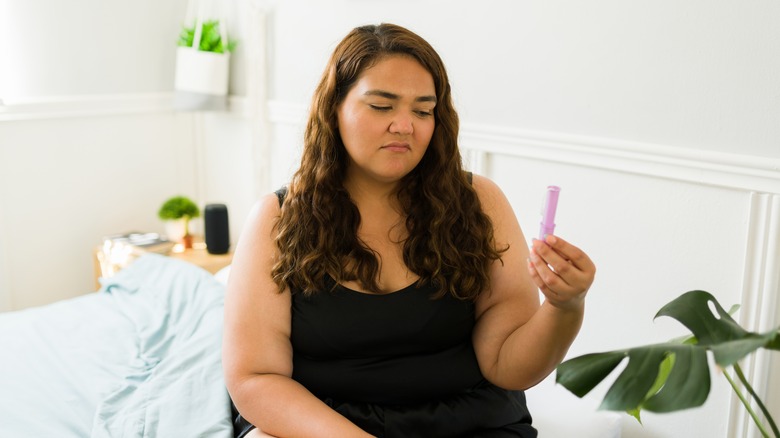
215, 218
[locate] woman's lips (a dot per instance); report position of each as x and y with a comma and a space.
397, 147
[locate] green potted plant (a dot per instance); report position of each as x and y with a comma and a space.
183, 209
210, 38
673, 376
202, 65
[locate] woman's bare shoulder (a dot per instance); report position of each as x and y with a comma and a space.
267, 206
489, 193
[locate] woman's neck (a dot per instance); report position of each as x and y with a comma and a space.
373, 194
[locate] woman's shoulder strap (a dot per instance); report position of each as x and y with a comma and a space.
281, 194
470, 177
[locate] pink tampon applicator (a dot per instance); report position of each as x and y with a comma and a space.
547, 226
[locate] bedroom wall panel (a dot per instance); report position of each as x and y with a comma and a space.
658, 221
226, 174
287, 121
66, 182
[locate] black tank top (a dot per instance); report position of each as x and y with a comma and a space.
399, 364
400, 347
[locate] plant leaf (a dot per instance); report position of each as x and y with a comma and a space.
729, 353
659, 378
687, 385
636, 413
210, 38
186, 37
774, 344
728, 341
633, 384
582, 374
693, 311
664, 369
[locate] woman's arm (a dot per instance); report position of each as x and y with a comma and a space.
519, 341
256, 351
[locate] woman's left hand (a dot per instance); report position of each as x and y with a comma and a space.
561, 271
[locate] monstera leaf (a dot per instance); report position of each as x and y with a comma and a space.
675, 375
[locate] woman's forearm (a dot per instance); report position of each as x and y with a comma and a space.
282, 407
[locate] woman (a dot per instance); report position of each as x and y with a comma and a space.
386, 292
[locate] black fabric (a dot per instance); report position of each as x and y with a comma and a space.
396, 348
241, 427
483, 411
280, 194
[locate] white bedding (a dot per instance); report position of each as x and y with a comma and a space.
140, 358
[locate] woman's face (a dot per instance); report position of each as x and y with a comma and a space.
386, 120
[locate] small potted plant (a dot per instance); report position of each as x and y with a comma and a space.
202, 66
180, 208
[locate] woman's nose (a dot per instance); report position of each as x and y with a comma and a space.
402, 124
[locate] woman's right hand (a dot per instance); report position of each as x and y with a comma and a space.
563, 272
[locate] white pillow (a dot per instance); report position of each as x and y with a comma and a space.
559, 413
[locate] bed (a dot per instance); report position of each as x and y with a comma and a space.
139, 358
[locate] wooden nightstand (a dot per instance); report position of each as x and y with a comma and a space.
198, 256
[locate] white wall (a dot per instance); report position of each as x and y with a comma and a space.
84, 47
658, 119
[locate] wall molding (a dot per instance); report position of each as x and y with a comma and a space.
80, 106
59, 107
701, 167
760, 285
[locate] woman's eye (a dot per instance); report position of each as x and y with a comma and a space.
424, 113
380, 107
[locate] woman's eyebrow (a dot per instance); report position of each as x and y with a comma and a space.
393, 96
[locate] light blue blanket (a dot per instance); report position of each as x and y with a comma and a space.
140, 358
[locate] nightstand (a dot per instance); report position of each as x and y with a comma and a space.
198, 256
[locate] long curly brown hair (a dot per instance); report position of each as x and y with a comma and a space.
450, 242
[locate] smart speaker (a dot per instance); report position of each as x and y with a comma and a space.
215, 218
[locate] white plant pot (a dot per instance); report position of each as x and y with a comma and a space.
174, 230
202, 72
201, 79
